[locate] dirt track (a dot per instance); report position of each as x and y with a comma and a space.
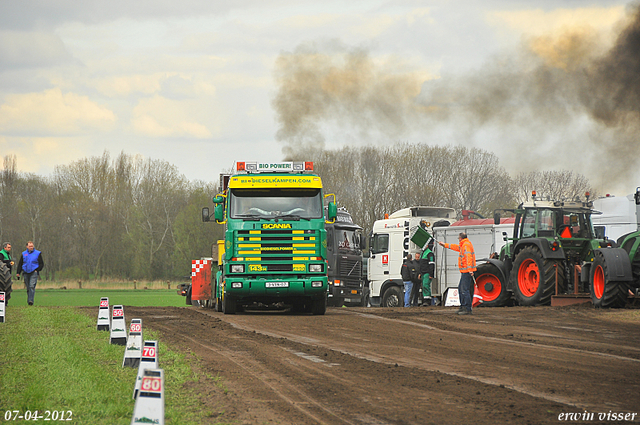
410, 366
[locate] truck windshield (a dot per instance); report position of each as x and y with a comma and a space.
348, 239
275, 203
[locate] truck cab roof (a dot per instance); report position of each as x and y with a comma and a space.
572, 206
421, 211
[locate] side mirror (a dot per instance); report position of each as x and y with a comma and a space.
332, 211
205, 215
218, 199
218, 212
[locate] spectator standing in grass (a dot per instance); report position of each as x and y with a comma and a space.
30, 265
5, 282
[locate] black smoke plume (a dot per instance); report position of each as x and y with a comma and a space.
558, 102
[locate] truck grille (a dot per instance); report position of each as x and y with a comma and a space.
350, 268
276, 251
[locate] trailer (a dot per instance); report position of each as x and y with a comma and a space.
620, 215
487, 238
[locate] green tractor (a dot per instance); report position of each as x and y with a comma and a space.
555, 251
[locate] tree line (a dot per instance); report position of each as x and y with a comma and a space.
134, 218
127, 217
372, 181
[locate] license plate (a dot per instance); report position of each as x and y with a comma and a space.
347, 300
277, 284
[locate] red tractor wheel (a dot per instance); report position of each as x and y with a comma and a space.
491, 286
606, 293
533, 277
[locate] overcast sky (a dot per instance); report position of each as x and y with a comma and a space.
195, 83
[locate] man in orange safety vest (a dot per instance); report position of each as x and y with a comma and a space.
467, 265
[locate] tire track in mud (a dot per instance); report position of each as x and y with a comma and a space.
521, 378
503, 340
409, 362
297, 398
348, 368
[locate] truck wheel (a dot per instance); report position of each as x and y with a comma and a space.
336, 302
300, 307
229, 305
319, 306
393, 297
189, 296
606, 293
534, 278
365, 298
491, 286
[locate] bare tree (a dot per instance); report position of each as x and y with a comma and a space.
555, 185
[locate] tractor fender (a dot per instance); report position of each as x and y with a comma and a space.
502, 267
618, 264
542, 245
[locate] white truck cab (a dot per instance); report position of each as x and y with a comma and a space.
389, 245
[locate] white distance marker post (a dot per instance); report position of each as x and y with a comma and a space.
2, 307
149, 408
104, 320
118, 326
133, 352
453, 298
149, 360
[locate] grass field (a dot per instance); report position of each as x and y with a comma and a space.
91, 297
54, 359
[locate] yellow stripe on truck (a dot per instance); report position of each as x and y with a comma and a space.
246, 182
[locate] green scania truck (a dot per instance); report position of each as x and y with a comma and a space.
275, 244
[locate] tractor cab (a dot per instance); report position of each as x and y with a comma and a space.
565, 225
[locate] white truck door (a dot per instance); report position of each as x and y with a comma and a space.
378, 262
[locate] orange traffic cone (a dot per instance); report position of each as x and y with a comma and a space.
477, 298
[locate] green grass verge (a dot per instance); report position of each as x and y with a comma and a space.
54, 359
91, 297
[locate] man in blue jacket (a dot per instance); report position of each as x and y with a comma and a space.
30, 264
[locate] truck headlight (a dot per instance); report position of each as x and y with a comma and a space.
316, 268
236, 285
237, 268
316, 284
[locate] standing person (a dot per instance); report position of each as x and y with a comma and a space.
467, 265
5, 282
416, 279
405, 272
427, 270
30, 264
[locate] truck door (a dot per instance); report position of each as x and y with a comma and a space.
378, 270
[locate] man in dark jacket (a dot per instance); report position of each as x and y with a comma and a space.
406, 272
416, 278
5, 276
30, 264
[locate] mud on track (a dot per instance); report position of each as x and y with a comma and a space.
408, 366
